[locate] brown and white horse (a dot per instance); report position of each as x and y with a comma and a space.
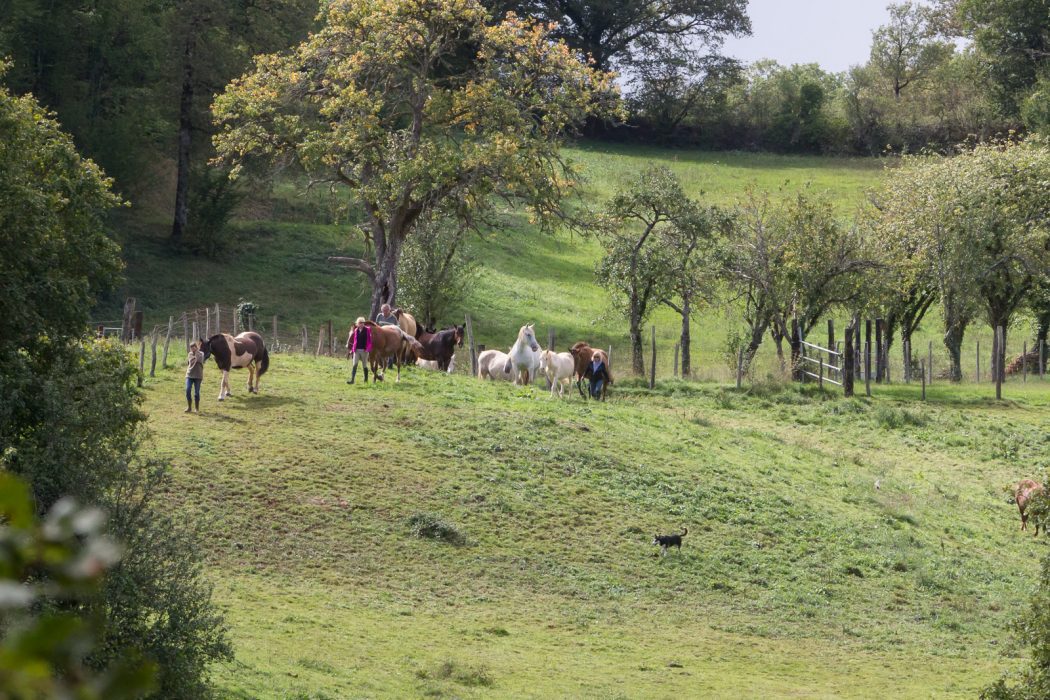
246, 350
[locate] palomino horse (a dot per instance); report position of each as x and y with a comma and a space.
524, 356
407, 323
389, 341
491, 365
558, 367
440, 346
246, 350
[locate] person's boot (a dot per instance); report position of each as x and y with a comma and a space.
189, 406
366, 374
197, 404
353, 375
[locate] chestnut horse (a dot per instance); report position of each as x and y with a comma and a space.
387, 342
1027, 489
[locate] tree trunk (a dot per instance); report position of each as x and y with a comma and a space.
182, 180
758, 330
684, 341
953, 338
637, 362
384, 287
1042, 329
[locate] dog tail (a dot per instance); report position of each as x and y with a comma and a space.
685, 531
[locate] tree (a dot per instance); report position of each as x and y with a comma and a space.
690, 243
436, 270
416, 106
979, 224
1014, 38
70, 419
616, 33
792, 260
907, 49
636, 266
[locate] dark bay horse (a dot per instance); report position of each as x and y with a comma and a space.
440, 346
387, 342
246, 350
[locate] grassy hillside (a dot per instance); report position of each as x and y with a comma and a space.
798, 577
280, 243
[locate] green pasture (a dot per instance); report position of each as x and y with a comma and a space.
799, 577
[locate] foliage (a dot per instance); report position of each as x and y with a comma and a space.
48, 569
620, 33
213, 198
411, 107
70, 419
431, 527
906, 50
1033, 628
245, 314
436, 270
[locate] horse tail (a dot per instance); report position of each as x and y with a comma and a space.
264, 361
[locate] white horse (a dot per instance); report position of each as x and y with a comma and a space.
433, 364
524, 358
491, 364
558, 367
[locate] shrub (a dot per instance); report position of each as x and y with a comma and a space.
896, 418
213, 198
1033, 629
449, 670
431, 527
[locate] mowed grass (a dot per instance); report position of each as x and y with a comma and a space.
799, 578
282, 238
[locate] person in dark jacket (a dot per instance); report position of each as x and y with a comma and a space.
360, 346
194, 377
598, 373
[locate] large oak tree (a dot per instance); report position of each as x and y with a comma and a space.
416, 106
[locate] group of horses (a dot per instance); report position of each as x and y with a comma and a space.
526, 360
409, 341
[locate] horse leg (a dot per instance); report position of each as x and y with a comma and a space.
222, 386
251, 373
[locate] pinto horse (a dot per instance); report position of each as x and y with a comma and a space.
440, 346
246, 350
387, 342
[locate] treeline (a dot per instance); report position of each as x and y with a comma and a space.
963, 70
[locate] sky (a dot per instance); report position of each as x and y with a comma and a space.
834, 33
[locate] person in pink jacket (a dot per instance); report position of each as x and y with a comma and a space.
360, 345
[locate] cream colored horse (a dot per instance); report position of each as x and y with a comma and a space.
491, 365
524, 357
558, 367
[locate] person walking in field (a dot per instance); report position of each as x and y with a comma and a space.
194, 377
598, 374
386, 316
360, 346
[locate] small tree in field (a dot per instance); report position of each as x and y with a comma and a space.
436, 270
636, 267
414, 106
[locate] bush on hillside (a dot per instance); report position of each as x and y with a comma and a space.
431, 527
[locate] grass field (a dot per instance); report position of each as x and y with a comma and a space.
798, 577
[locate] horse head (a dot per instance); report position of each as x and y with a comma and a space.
527, 335
205, 347
459, 335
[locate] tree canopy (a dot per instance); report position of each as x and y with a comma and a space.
414, 107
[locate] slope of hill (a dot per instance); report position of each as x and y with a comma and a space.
280, 243
839, 548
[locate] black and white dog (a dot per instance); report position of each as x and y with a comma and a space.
666, 541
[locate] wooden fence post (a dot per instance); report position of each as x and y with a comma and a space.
186, 330
142, 358
820, 370
207, 322
273, 332
153, 361
320, 340
1000, 355
848, 359
128, 320
867, 367
923, 369
831, 335
306, 339
879, 371
218, 321
137, 329
675, 371
739, 367
472, 349
1024, 362
867, 348
167, 339
550, 339
652, 370
857, 354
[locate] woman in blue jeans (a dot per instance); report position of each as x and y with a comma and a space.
194, 377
